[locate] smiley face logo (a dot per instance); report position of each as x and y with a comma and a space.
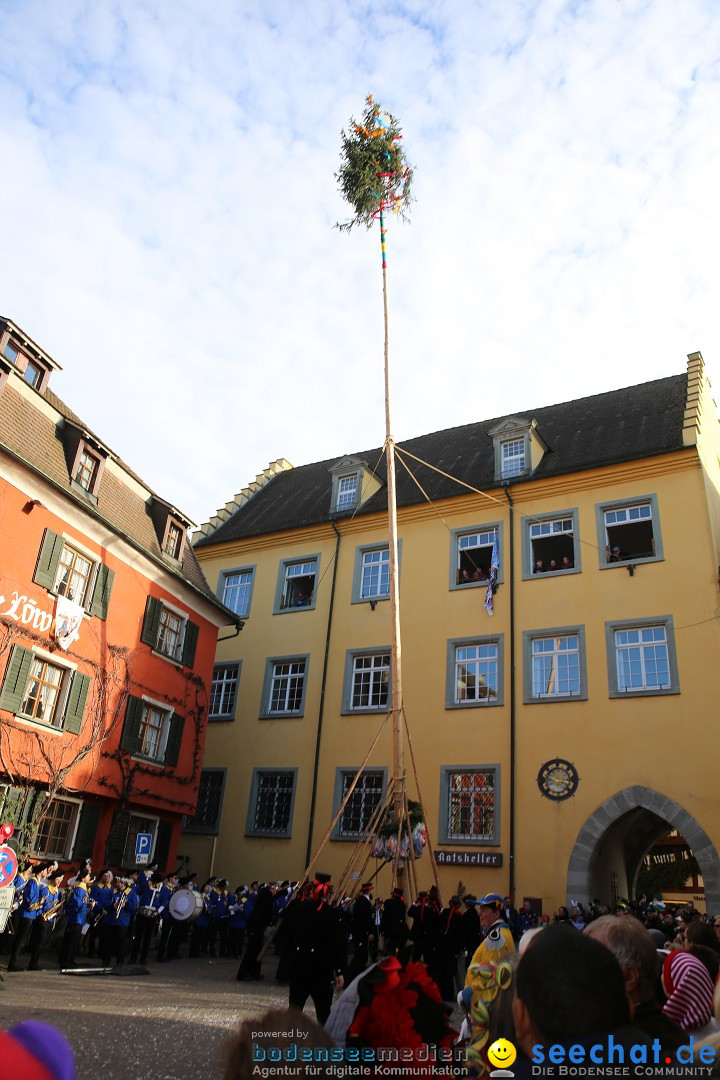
501, 1054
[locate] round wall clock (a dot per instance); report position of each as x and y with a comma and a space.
558, 779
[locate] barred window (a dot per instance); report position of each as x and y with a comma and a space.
209, 803
273, 802
471, 805
359, 809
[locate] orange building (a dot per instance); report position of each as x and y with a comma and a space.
107, 636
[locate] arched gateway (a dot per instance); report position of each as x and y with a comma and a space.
615, 838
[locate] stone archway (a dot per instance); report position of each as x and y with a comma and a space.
623, 829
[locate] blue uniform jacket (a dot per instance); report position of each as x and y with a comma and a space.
129, 899
76, 906
30, 898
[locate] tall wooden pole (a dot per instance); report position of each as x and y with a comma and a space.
396, 651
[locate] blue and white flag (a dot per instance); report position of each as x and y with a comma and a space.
494, 567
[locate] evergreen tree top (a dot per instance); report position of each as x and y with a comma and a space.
374, 174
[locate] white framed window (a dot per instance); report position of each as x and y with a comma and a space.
471, 555
641, 657
38, 687
368, 792
512, 453
297, 584
366, 685
347, 489
469, 804
272, 801
235, 589
75, 574
152, 731
223, 692
67, 569
629, 531
474, 672
87, 469
550, 544
169, 632
285, 686
554, 664
371, 577
56, 832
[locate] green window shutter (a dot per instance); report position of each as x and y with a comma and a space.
162, 844
130, 738
87, 829
14, 807
151, 622
16, 676
115, 845
48, 559
175, 734
190, 641
77, 698
101, 592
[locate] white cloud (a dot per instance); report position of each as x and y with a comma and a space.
169, 201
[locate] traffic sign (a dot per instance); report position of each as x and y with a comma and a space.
143, 847
8, 866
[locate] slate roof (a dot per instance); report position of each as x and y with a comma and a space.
37, 439
605, 429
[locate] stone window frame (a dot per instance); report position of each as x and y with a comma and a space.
445, 836
602, 537
347, 708
341, 772
222, 586
282, 580
553, 632
250, 829
471, 530
475, 639
665, 621
528, 561
265, 712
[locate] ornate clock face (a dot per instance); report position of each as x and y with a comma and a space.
558, 779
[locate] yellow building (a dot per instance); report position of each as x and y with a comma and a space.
556, 739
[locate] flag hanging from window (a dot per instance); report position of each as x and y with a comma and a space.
494, 567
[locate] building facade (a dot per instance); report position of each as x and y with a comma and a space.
107, 636
555, 740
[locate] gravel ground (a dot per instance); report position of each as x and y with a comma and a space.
169, 1025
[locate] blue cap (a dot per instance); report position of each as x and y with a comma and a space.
491, 899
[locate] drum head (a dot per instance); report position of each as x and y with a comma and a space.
185, 905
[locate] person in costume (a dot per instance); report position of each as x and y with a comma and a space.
33, 898
45, 923
497, 943
147, 919
393, 925
316, 949
77, 906
363, 930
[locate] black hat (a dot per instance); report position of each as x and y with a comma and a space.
367, 887
323, 879
54, 874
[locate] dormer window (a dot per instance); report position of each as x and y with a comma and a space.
86, 460
347, 492
518, 447
87, 470
173, 543
33, 375
10, 352
513, 458
352, 484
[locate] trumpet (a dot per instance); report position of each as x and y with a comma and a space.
47, 915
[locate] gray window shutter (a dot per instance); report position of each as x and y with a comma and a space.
48, 559
162, 844
130, 738
175, 734
77, 698
15, 807
190, 640
86, 831
101, 592
16, 676
151, 622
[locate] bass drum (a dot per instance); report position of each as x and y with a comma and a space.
185, 905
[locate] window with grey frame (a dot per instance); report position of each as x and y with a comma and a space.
273, 802
375, 574
475, 672
223, 691
552, 544
362, 803
298, 586
347, 492
369, 682
556, 668
629, 531
287, 686
470, 804
206, 818
237, 590
474, 556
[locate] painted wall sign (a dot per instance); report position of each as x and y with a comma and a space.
469, 858
24, 610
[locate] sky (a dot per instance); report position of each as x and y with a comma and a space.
169, 199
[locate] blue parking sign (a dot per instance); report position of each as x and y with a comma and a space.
143, 847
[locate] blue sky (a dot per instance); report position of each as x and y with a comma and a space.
168, 208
